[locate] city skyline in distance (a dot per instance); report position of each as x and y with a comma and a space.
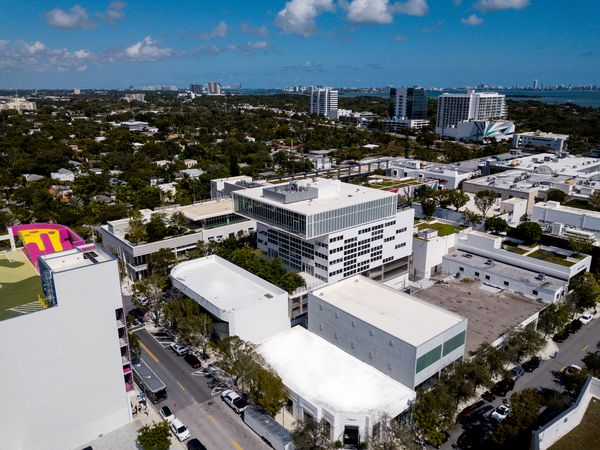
103, 44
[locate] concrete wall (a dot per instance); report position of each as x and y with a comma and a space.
427, 255
549, 434
61, 370
505, 193
550, 212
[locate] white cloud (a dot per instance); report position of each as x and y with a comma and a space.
76, 17
399, 37
457, 2
114, 12
498, 5
368, 11
34, 47
382, 11
36, 56
147, 50
4, 42
411, 8
218, 32
472, 20
248, 28
298, 16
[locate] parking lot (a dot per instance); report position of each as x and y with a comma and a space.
546, 377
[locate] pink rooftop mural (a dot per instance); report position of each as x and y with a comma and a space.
45, 238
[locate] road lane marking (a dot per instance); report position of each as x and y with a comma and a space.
147, 350
585, 349
213, 420
236, 445
180, 385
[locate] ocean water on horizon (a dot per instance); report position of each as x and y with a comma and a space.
587, 99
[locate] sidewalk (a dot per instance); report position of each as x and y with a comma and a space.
125, 437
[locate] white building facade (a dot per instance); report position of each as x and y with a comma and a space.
456, 108
240, 303
450, 176
66, 368
403, 337
536, 139
329, 229
324, 102
565, 220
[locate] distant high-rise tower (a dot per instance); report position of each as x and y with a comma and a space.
456, 108
213, 88
535, 84
324, 102
408, 103
196, 88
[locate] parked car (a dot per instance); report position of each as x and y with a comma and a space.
481, 412
234, 400
473, 438
179, 349
532, 364
503, 387
561, 336
195, 444
517, 372
192, 360
572, 370
574, 326
469, 410
166, 414
585, 319
180, 430
500, 413
488, 396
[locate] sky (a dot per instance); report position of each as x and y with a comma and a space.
279, 43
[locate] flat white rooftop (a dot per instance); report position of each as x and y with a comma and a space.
223, 284
333, 194
543, 134
399, 314
84, 255
328, 377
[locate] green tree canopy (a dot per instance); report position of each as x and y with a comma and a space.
529, 232
156, 437
484, 200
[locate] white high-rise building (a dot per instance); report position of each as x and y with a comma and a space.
471, 106
329, 229
66, 370
324, 102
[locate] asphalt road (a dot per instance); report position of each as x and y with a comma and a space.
188, 396
570, 352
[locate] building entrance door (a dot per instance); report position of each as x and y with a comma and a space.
351, 436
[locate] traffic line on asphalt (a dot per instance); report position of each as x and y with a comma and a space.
147, 350
236, 445
585, 349
214, 421
180, 385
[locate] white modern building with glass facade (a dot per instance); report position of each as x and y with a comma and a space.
324, 102
329, 229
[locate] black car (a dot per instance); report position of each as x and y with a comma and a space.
469, 410
561, 336
503, 387
532, 364
481, 412
574, 326
195, 444
192, 360
474, 438
488, 396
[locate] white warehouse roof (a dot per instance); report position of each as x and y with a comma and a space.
328, 377
399, 314
223, 284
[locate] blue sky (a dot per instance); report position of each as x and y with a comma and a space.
276, 43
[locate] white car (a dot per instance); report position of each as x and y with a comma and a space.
585, 319
179, 349
500, 413
166, 414
180, 430
234, 400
